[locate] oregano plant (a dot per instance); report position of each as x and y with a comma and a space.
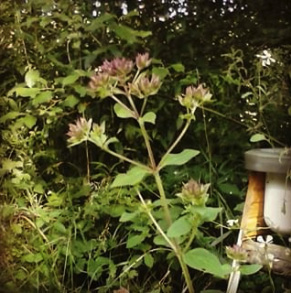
130, 85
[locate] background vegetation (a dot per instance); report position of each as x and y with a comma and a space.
62, 227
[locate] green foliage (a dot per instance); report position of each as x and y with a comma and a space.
71, 220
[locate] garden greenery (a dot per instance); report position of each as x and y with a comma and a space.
121, 164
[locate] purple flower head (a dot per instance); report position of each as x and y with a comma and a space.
194, 192
117, 67
194, 96
142, 61
146, 86
79, 131
99, 80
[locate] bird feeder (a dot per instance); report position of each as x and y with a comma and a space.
270, 169
267, 209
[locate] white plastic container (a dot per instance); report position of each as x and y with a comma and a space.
276, 163
277, 203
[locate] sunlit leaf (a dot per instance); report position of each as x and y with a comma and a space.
178, 67
125, 217
31, 77
27, 92
258, 137
32, 258
29, 121
9, 116
203, 260
180, 227
134, 240
250, 269
149, 117
161, 72
179, 159
122, 112
149, 260
71, 101
70, 79
207, 214
134, 176
41, 98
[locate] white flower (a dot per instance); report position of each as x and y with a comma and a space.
266, 58
232, 222
264, 242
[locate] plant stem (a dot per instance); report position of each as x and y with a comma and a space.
148, 145
143, 106
173, 244
135, 115
160, 230
88, 162
132, 104
182, 133
121, 157
185, 271
163, 198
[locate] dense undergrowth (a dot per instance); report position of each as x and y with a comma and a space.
80, 219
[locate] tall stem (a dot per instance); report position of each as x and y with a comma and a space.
121, 157
87, 162
182, 133
133, 113
148, 145
163, 198
173, 244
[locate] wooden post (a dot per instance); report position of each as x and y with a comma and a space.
253, 213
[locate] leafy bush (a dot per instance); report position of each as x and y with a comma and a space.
81, 219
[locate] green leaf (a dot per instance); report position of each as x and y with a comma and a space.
31, 77
180, 227
161, 72
208, 214
29, 121
8, 165
121, 112
32, 258
134, 176
178, 67
134, 240
203, 260
43, 97
258, 137
250, 269
149, 117
149, 260
125, 217
58, 226
16, 228
128, 34
27, 92
81, 90
9, 116
99, 22
179, 159
159, 240
70, 79
71, 101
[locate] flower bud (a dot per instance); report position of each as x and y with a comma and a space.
142, 61
79, 131
194, 193
194, 97
237, 253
